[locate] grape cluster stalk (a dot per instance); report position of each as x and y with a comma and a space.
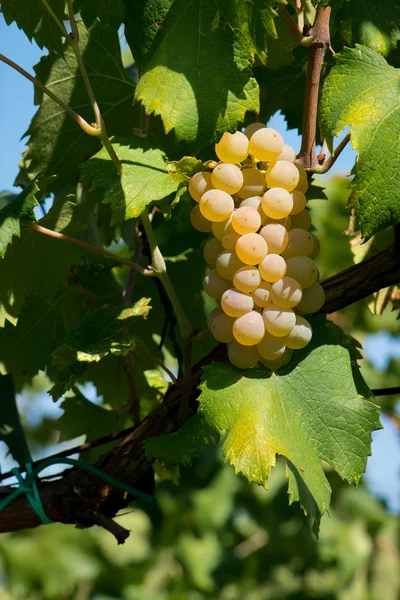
261, 252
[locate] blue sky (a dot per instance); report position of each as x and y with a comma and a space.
16, 111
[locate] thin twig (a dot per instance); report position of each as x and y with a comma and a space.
295, 32
59, 23
158, 362
329, 162
80, 120
300, 15
71, 240
386, 391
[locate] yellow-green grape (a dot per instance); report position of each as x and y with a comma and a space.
300, 243
228, 263
214, 285
246, 220
198, 221
302, 185
287, 153
301, 220
235, 303
253, 183
227, 177
313, 299
278, 321
229, 241
271, 347
276, 364
249, 329
303, 269
216, 205
199, 184
272, 267
300, 335
286, 221
222, 228
247, 279
222, 328
277, 203
212, 314
251, 248
317, 247
262, 295
232, 148
282, 174
286, 292
299, 202
266, 144
242, 357
211, 250
276, 237
255, 202
252, 128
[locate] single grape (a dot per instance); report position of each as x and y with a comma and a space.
315, 251
282, 174
286, 222
266, 144
302, 269
211, 250
252, 128
222, 328
222, 228
313, 299
227, 177
262, 295
302, 220
276, 237
277, 203
229, 241
287, 153
302, 185
235, 303
272, 267
228, 263
253, 183
286, 292
300, 243
278, 321
249, 329
251, 248
247, 279
300, 335
242, 357
276, 364
199, 184
198, 221
214, 285
246, 220
212, 314
271, 347
216, 205
255, 202
232, 148
299, 202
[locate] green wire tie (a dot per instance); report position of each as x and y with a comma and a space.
28, 485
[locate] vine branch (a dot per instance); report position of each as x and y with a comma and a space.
330, 161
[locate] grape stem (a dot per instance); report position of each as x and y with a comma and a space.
296, 33
330, 161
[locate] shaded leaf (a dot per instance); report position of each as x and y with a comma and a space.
11, 431
108, 12
19, 208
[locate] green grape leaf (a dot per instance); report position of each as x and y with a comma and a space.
182, 170
19, 208
178, 79
35, 20
38, 264
144, 179
11, 431
57, 145
362, 91
108, 12
313, 409
143, 20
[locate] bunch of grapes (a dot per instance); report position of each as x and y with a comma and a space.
261, 253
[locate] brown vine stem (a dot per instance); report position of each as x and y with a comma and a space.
71, 240
320, 32
330, 161
93, 131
